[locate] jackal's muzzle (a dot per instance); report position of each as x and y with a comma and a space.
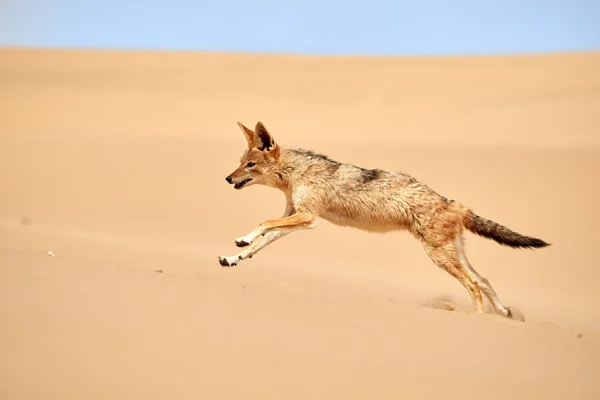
237, 185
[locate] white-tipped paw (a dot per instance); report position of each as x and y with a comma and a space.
245, 240
229, 261
241, 242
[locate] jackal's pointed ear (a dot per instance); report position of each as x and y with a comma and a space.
264, 140
250, 136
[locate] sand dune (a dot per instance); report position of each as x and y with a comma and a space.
115, 163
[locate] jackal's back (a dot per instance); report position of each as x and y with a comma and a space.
369, 199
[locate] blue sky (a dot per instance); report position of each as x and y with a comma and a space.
415, 27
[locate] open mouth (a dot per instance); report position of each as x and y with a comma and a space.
241, 184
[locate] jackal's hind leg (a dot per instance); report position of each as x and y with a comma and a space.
483, 283
446, 257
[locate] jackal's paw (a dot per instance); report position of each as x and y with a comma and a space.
241, 242
245, 240
229, 261
514, 313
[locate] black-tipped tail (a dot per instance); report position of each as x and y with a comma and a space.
498, 233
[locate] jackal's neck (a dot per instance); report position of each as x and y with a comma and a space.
294, 163
281, 177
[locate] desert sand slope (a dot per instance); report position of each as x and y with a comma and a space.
115, 163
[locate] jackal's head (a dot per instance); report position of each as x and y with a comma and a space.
259, 161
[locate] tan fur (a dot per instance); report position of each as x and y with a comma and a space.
371, 200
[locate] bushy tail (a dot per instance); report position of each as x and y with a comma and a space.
501, 234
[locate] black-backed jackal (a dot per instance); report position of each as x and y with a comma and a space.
369, 199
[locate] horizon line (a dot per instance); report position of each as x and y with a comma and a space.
143, 49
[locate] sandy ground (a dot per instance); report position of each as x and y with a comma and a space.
115, 163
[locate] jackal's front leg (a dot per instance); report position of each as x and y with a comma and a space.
266, 233
253, 248
300, 220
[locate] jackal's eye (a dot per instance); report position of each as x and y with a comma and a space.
250, 164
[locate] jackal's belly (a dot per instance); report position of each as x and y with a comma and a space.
371, 223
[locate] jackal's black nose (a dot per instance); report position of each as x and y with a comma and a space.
228, 179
